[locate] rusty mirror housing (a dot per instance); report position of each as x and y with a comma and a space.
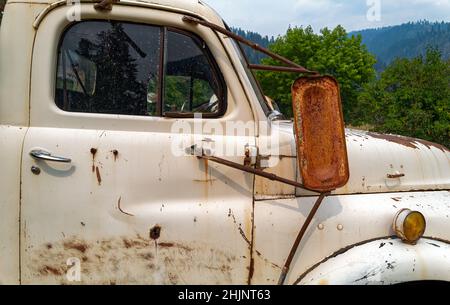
320, 134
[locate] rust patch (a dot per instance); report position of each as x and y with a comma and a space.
175, 245
134, 243
77, 245
319, 131
407, 141
50, 270
120, 208
133, 260
155, 232
166, 245
99, 177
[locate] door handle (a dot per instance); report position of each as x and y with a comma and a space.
45, 155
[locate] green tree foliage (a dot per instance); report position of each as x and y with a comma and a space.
412, 98
330, 52
118, 89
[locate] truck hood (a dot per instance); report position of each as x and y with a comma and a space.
387, 163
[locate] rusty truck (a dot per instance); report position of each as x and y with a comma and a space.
138, 147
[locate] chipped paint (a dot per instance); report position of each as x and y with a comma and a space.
407, 141
393, 263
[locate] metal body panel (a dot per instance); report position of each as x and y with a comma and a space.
131, 212
16, 45
125, 184
375, 160
342, 220
384, 262
11, 140
278, 156
102, 207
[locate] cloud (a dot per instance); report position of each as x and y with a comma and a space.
272, 17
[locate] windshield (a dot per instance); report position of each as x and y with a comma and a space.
255, 85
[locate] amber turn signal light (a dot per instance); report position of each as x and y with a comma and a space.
409, 225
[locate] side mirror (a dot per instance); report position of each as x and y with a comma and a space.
320, 134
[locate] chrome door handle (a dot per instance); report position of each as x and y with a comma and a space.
44, 155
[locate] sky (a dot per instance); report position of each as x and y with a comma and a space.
273, 17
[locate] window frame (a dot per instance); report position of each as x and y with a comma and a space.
216, 73
164, 29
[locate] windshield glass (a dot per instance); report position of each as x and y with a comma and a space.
251, 77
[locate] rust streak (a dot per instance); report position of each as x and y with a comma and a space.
93, 153
120, 208
116, 154
166, 245
204, 181
175, 245
99, 177
50, 270
82, 247
243, 235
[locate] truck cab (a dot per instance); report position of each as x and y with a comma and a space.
98, 111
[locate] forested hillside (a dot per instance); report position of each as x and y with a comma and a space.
253, 56
410, 94
408, 40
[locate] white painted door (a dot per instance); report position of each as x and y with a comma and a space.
126, 208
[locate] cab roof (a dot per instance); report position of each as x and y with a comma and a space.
197, 7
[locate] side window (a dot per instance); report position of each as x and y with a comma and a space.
191, 79
109, 67
135, 69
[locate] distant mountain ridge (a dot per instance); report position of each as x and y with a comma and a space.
407, 40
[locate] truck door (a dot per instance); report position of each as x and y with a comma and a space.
109, 194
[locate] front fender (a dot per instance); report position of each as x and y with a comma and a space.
383, 261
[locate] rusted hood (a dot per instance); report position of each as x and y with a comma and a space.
382, 163
388, 163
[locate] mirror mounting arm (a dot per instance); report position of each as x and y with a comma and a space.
293, 67
199, 153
